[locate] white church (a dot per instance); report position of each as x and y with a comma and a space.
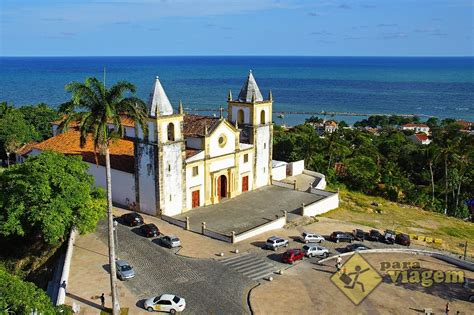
186, 161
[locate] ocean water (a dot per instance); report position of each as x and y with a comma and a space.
441, 87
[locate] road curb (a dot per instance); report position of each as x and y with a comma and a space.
460, 263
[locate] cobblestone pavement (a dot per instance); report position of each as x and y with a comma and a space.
208, 286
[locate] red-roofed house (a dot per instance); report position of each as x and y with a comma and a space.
416, 128
420, 138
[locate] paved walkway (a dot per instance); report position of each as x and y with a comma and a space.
248, 210
306, 289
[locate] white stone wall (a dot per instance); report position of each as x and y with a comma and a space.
164, 131
172, 190
215, 148
151, 132
279, 172
248, 166
262, 150
221, 164
295, 168
146, 176
123, 184
273, 225
130, 132
322, 206
193, 182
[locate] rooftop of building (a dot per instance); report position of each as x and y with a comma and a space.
121, 150
415, 125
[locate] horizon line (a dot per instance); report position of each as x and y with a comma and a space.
307, 56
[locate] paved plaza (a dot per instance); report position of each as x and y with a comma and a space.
248, 210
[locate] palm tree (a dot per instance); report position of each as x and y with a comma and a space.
99, 112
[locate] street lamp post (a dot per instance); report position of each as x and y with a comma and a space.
116, 238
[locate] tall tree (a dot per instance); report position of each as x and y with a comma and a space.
42, 198
99, 112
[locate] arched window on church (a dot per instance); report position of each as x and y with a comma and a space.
170, 132
262, 117
240, 116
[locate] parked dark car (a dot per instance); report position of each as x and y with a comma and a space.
132, 219
292, 255
358, 234
375, 236
402, 239
356, 247
339, 236
150, 230
389, 236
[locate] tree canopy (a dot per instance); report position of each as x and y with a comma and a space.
22, 297
48, 194
437, 176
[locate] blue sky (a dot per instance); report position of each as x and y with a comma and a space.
231, 27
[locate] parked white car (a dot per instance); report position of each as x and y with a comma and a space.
312, 250
308, 237
165, 303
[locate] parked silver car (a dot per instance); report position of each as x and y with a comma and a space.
124, 270
312, 249
309, 237
276, 242
170, 241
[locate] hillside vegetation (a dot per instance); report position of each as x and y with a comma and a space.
359, 208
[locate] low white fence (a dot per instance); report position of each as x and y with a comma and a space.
322, 178
321, 206
272, 225
174, 221
295, 168
217, 235
66, 267
279, 172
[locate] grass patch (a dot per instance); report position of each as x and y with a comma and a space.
359, 209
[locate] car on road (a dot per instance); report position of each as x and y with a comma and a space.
150, 230
356, 247
339, 236
358, 234
308, 237
132, 219
165, 303
170, 241
402, 239
276, 242
124, 270
292, 255
375, 236
389, 236
312, 250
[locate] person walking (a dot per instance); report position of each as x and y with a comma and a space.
338, 263
447, 308
102, 300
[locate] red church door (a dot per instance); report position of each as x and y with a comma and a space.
245, 183
195, 199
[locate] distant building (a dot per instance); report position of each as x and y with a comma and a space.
416, 128
420, 138
330, 126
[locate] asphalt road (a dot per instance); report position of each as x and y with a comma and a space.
208, 286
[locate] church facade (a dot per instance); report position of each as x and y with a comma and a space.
189, 161
184, 161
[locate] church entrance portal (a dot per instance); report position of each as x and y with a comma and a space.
222, 187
